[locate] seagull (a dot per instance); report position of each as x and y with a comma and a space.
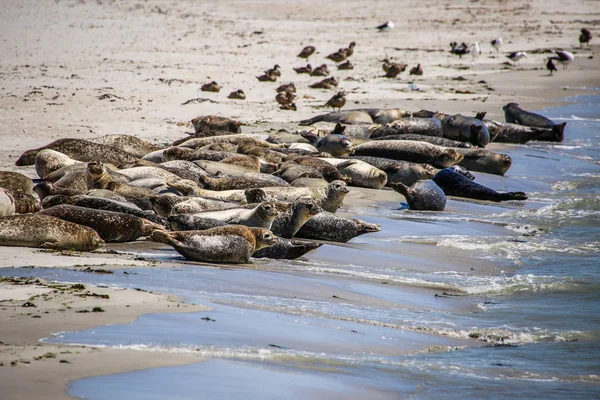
564, 57
550, 65
516, 56
386, 27
459, 50
475, 50
496, 43
585, 37
307, 52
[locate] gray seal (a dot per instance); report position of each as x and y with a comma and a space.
329, 172
466, 129
130, 144
335, 228
456, 184
400, 171
111, 226
410, 150
291, 216
247, 181
438, 141
361, 174
287, 249
515, 133
223, 244
409, 125
334, 144
515, 114
81, 150
423, 195
482, 160
261, 216
34, 230
48, 161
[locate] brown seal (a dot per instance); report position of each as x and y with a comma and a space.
207, 123
34, 230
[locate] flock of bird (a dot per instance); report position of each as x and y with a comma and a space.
286, 94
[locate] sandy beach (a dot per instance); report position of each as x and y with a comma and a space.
83, 69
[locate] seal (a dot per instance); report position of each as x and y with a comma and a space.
236, 140
287, 249
328, 196
137, 195
438, 141
136, 173
194, 205
48, 161
290, 171
106, 204
80, 150
44, 189
223, 244
261, 216
98, 176
334, 144
408, 125
334, 228
410, 150
459, 185
400, 171
291, 216
328, 172
466, 129
345, 117
15, 181
423, 196
111, 226
193, 222
361, 173
34, 230
217, 167
128, 143
191, 188
515, 114
482, 160
7, 203
247, 181
515, 133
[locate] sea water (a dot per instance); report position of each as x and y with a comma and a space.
483, 300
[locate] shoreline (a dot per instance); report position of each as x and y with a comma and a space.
127, 62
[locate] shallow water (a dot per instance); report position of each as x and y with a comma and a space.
506, 294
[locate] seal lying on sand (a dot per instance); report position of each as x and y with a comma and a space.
127, 143
423, 195
14, 181
465, 129
261, 216
250, 180
48, 161
410, 150
214, 123
328, 226
7, 203
361, 173
359, 116
224, 244
291, 216
111, 226
334, 144
456, 184
438, 141
418, 126
485, 161
515, 133
34, 230
400, 171
515, 114
81, 150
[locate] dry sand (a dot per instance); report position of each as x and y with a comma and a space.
83, 69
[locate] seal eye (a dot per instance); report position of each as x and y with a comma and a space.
267, 236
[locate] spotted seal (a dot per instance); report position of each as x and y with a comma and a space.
361, 173
7, 203
466, 129
193, 205
80, 150
128, 143
329, 173
48, 161
15, 181
423, 195
291, 216
410, 150
482, 160
456, 184
515, 133
34, 230
188, 188
237, 140
334, 228
224, 244
409, 125
207, 123
290, 171
515, 114
438, 141
246, 181
334, 144
111, 226
287, 249
400, 171
261, 216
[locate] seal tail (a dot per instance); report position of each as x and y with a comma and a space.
512, 196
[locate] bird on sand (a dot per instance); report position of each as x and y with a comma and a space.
386, 26
585, 37
274, 71
287, 87
416, 70
394, 70
475, 50
307, 52
237, 94
346, 65
303, 70
321, 70
496, 44
459, 49
337, 101
516, 56
564, 57
210, 87
550, 65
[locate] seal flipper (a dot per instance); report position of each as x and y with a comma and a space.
363, 227
512, 196
402, 189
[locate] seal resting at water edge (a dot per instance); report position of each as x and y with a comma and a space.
459, 185
423, 196
224, 244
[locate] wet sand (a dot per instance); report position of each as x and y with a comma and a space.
84, 69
